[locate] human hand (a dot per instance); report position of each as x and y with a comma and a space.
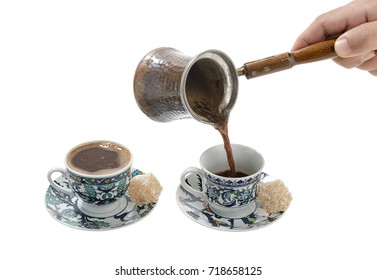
357, 22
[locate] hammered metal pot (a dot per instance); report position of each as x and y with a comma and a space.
167, 83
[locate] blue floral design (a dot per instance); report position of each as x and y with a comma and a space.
89, 191
108, 189
64, 209
231, 193
100, 181
213, 194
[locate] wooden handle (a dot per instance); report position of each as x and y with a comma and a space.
316, 52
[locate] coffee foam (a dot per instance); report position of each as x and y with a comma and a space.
98, 158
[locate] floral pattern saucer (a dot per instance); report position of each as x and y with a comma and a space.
64, 209
198, 210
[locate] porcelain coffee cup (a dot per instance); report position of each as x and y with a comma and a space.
102, 180
226, 196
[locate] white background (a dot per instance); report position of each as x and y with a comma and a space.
66, 77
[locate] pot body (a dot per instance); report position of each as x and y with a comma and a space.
169, 85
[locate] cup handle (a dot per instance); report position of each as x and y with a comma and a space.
55, 185
192, 180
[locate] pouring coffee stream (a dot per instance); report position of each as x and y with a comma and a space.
169, 85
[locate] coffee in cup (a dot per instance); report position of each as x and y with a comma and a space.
98, 174
230, 197
98, 158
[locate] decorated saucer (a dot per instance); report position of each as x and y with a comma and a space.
64, 209
197, 209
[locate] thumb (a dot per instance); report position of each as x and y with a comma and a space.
357, 41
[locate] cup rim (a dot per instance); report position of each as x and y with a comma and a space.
98, 175
260, 170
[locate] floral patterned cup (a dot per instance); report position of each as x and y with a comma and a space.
227, 197
99, 195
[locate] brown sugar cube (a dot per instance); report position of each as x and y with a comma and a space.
144, 189
274, 196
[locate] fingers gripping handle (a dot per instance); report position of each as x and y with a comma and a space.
192, 180
54, 184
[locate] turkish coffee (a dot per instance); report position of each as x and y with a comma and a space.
205, 93
229, 174
98, 158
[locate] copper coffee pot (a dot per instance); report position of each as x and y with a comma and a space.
169, 85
